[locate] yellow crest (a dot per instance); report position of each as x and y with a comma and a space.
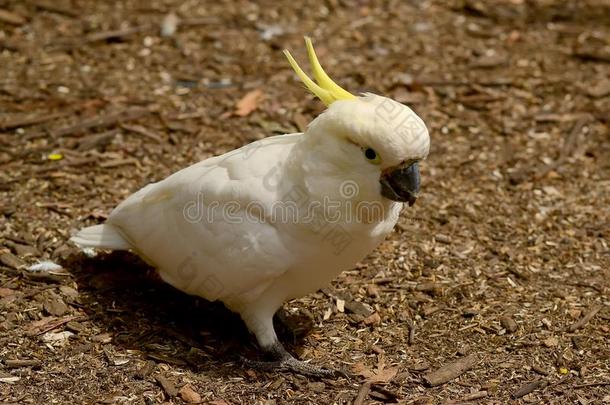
325, 89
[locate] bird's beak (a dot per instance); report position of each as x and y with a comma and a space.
401, 183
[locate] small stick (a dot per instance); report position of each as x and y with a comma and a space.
540, 370
411, 333
11, 18
72, 43
583, 321
100, 121
55, 8
16, 363
168, 386
470, 397
450, 371
527, 388
138, 129
27, 121
118, 162
363, 392
56, 323
385, 394
594, 384
568, 146
475, 396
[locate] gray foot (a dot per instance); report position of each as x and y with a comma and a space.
284, 361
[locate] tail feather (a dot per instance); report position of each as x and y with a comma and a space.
103, 236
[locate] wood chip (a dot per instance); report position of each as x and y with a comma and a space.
434, 289
53, 7
11, 18
146, 370
168, 386
585, 319
55, 306
138, 129
100, 121
121, 33
528, 388
450, 371
20, 122
363, 393
508, 323
16, 363
373, 319
470, 397
10, 260
600, 89
540, 370
189, 395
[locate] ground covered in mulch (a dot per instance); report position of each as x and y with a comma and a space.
502, 266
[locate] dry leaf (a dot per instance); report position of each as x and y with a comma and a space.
188, 394
340, 305
249, 103
373, 319
379, 375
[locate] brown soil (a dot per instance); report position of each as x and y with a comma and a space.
504, 257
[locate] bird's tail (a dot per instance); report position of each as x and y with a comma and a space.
105, 236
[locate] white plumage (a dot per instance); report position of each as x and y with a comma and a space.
227, 228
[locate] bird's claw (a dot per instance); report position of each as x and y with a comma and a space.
296, 366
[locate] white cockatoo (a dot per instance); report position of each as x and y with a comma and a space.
281, 217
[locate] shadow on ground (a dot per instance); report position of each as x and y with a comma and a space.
128, 302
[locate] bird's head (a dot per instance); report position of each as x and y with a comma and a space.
371, 138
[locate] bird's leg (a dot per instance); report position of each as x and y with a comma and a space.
259, 320
284, 361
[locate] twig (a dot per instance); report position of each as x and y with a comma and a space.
411, 333
138, 129
71, 43
594, 384
55, 8
168, 386
529, 387
21, 363
567, 149
118, 162
562, 380
587, 285
56, 323
540, 370
583, 321
32, 120
450, 371
363, 392
382, 393
470, 397
11, 18
129, 114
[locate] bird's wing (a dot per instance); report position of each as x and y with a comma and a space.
201, 226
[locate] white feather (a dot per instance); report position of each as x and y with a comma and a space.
103, 236
182, 226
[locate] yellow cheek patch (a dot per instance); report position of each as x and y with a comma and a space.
325, 89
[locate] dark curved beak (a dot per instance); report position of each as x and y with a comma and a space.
401, 183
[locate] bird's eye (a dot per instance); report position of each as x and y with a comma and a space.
372, 156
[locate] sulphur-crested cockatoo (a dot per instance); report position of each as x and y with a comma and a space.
281, 217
